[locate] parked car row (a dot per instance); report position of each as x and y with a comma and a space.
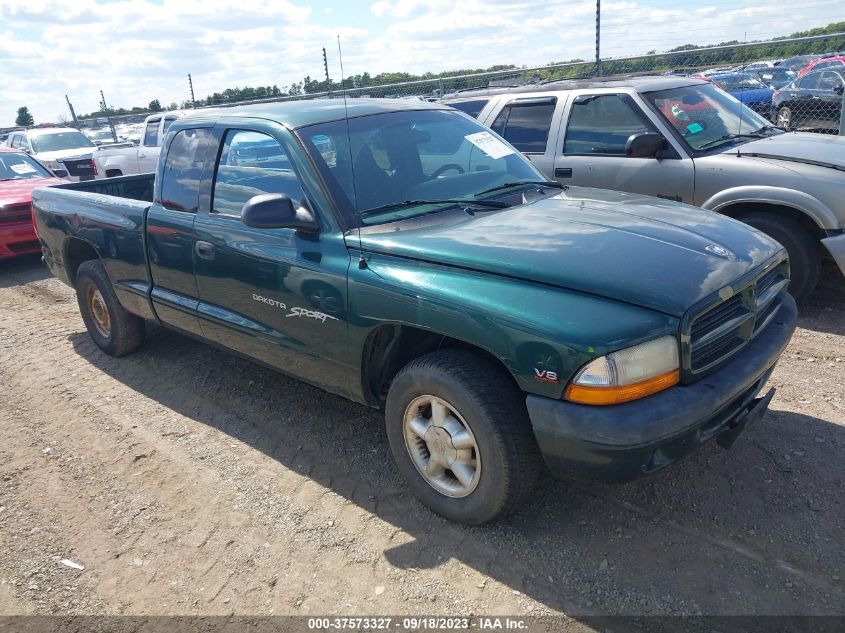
802, 92
681, 139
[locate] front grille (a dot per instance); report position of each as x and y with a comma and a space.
722, 313
717, 349
80, 167
725, 327
15, 214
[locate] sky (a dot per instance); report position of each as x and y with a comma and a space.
139, 50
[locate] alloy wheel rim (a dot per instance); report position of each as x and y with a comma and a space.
441, 446
99, 311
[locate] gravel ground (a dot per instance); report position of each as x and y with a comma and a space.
188, 481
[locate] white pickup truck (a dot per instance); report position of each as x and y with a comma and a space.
136, 159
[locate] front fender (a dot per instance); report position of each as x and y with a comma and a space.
811, 206
541, 334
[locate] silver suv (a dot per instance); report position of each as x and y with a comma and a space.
686, 140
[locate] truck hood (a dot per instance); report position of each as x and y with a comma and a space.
800, 147
62, 154
20, 191
652, 253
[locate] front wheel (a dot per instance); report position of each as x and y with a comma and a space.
801, 247
114, 330
459, 432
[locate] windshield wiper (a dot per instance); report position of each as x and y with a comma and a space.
493, 204
539, 183
730, 137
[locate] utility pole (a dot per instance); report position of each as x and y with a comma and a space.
326, 68
598, 38
72, 113
191, 86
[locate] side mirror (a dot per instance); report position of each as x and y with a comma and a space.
60, 173
645, 145
276, 211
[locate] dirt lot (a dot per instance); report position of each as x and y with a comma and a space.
188, 481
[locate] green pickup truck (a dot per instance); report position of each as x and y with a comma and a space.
405, 257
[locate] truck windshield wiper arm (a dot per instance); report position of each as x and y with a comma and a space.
730, 137
493, 204
539, 183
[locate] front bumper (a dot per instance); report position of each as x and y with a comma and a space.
835, 245
623, 442
18, 239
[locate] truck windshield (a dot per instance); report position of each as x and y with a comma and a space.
706, 117
59, 141
19, 166
397, 165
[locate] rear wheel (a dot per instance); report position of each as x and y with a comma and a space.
460, 435
114, 330
800, 245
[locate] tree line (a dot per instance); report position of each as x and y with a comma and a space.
688, 56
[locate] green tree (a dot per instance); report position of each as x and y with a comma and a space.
24, 118
154, 106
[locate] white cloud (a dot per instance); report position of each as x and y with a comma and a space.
136, 51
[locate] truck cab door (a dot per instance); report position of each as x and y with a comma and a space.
170, 229
591, 152
531, 125
277, 295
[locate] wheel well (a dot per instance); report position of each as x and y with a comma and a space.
740, 209
390, 347
76, 253
113, 173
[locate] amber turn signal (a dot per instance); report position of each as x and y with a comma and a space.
583, 394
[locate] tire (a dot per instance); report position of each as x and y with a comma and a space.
483, 399
784, 118
114, 330
800, 245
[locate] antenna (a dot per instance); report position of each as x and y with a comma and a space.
362, 263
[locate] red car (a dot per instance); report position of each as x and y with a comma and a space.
19, 175
834, 61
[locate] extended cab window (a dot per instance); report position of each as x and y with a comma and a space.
601, 124
151, 133
526, 124
180, 182
472, 107
251, 164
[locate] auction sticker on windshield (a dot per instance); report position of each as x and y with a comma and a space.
489, 144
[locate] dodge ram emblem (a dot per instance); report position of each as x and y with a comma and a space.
721, 251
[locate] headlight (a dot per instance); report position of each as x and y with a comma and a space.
631, 373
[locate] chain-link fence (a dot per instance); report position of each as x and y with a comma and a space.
796, 83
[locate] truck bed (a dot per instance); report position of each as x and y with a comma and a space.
106, 216
138, 187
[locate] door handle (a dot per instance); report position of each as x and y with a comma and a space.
204, 250
563, 172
